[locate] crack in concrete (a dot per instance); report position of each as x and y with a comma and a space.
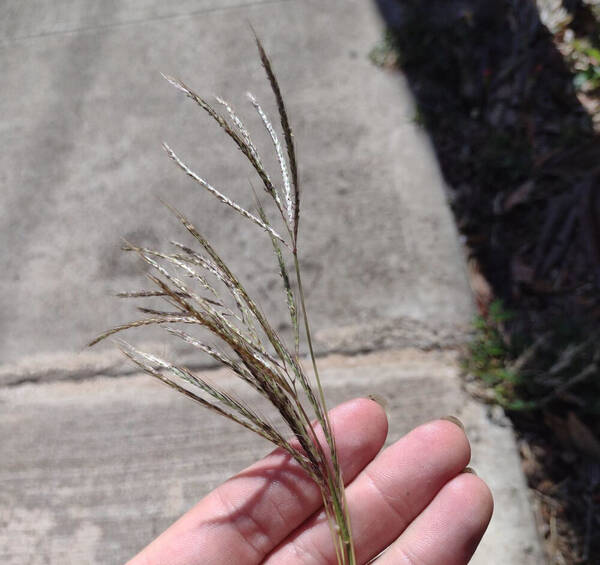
351, 341
56, 374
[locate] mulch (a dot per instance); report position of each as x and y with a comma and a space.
510, 96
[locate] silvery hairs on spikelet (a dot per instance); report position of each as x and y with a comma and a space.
200, 291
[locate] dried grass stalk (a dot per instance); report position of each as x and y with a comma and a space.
248, 344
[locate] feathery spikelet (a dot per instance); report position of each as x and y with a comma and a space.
287, 190
220, 195
246, 342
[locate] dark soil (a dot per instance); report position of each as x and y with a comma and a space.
513, 111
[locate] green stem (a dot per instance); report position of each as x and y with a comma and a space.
342, 534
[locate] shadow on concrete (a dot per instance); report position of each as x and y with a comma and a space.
516, 146
516, 136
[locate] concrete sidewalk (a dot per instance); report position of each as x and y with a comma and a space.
93, 467
84, 112
100, 467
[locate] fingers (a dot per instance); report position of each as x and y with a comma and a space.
387, 496
245, 518
448, 530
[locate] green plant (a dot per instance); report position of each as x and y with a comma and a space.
386, 52
586, 60
489, 354
212, 298
559, 367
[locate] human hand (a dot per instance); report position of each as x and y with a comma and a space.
412, 500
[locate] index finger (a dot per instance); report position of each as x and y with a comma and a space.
245, 518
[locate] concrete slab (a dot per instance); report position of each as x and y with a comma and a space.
83, 114
93, 470
20, 21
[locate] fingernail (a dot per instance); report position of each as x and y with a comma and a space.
455, 421
379, 399
470, 471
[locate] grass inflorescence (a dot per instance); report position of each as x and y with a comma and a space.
200, 292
